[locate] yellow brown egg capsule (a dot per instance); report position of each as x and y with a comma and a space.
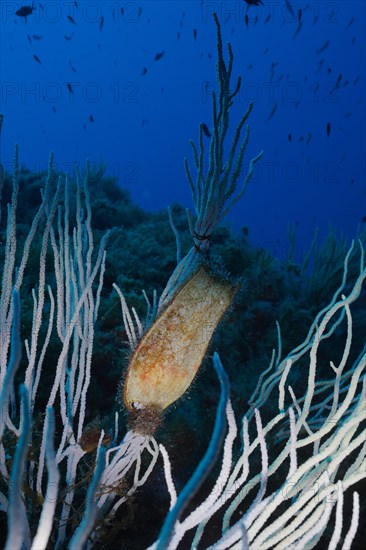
166, 360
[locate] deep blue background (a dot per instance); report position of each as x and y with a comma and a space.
142, 122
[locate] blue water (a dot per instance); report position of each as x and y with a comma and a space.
81, 78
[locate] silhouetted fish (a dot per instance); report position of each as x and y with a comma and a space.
159, 55
336, 85
299, 27
143, 71
328, 129
206, 131
254, 2
289, 7
274, 109
37, 59
71, 19
323, 47
24, 11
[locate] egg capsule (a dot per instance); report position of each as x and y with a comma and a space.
167, 358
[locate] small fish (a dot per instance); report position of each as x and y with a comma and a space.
299, 15
289, 8
71, 19
246, 19
195, 34
144, 71
91, 118
254, 2
72, 66
206, 131
70, 88
267, 18
101, 22
37, 37
159, 55
331, 15
308, 139
328, 129
289, 137
320, 65
54, 109
139, 11
273, 66
37, 59
323, 47
339, 79
29, 39
299, 27
351, 21
271, 114
24, 11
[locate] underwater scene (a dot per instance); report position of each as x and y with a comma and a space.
182, 274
